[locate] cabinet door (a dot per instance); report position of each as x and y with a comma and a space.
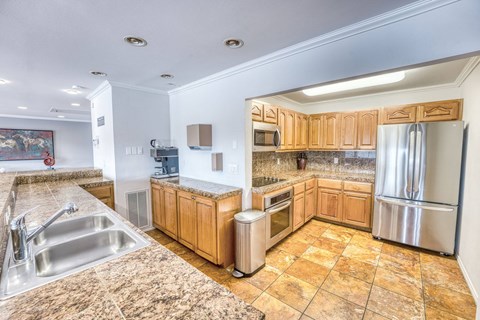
301, 131
315, 132
282, 123
357, 208
402, 114
257, 111
331, 131
329, 204
367, 130
298, 211
310, 204
270, 114
169, 198
206, 229
290, 130
348, 131
439, 111
186, 219
157, 216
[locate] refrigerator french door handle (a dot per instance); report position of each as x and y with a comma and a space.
412, 205
418, 158
411, 158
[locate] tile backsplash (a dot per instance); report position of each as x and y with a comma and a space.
272, 163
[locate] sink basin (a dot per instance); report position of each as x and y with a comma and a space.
72, 228
69, 255
68, 247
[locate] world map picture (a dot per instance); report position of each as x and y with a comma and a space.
21, 144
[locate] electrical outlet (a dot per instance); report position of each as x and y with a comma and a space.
335, 160
233, 168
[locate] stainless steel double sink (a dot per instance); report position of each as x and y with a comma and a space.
68, 247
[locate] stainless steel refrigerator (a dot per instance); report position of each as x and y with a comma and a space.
417, 184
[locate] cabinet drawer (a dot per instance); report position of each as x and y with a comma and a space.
299, 188
309, 184
357, 186
101, 192
328, 183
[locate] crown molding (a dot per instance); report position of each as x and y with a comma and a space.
469, 67
138, 88
99, 90
42, 118
381, 20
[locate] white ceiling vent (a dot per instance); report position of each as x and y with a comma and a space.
69, 111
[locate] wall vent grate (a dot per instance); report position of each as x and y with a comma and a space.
137, 208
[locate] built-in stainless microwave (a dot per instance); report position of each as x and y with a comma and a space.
266, 136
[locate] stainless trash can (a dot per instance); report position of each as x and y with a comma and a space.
250, 242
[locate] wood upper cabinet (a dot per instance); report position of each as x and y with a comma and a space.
270, 114
315, 132
206, 229
286, 122
298, 211
186, 219
329, 204
331, 130
357, 208
367, 130
440, 111
402, 114
257, 111
301, 131
348, 131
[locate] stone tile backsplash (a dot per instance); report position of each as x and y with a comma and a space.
272, 163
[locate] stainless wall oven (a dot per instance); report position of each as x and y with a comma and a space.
266, 136
278, 214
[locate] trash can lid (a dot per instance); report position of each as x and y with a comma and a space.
249, 216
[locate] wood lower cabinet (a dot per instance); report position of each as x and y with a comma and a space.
104, 194
357, 208
310, 196
203, 225
298, 211
345, 201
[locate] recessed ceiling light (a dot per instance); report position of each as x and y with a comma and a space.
75, 104
3, 81
171, 84
233, 43
60, 116
71, 91
135, 41
167, 76
22, 107
98, 73
356, 84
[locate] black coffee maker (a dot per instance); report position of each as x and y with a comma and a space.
167, 158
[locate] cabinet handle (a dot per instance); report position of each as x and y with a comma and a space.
193, 197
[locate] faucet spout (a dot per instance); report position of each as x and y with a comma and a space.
21, 237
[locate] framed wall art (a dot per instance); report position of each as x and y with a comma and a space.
24, 144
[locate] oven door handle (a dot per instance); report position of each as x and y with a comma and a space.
275, 210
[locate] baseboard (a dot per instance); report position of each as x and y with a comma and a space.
469, 281
147, 228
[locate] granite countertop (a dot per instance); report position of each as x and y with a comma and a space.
297, 176
151, 283
207, 189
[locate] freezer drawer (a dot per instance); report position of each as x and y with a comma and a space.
420, 224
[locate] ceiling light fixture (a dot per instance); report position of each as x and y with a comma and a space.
22, 107
356, 84
233, 43
3, 81
167, 76
75, 104
135, 41
71, 91
98, 73
60, 116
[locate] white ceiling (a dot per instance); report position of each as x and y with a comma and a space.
432, 75
50, 45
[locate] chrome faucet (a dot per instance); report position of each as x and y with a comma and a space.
21, 237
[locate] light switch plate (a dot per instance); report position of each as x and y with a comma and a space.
128, 151
139, 150
134, 150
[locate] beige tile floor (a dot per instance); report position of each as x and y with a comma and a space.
325, 271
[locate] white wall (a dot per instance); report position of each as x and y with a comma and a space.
138, 117
412, 41
469, 223
72, 143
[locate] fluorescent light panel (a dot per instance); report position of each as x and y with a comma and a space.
356, 84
